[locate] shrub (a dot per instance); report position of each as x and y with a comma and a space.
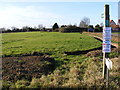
7, 84
35, 83
71, 29
22, 83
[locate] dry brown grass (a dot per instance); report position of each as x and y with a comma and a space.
116, 66
94, 53
87, 75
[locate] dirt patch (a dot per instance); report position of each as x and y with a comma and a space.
26, 67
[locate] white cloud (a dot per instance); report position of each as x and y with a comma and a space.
29, 15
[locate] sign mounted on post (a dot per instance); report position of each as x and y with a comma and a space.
107, 33
106, 48
106, 40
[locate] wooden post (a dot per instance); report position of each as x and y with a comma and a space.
105, 55
107, 78
104, 65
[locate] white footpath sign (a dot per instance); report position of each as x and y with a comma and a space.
106, 40
108, 63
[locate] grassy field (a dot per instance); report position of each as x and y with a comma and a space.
49, 42
54, 68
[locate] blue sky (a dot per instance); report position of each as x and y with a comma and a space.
21, 14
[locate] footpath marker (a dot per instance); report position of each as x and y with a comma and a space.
106, 47
107, 33
106, 40
108, 63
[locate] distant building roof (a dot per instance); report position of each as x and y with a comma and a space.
118, 21
112, 22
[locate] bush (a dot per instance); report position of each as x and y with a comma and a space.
7, 84
22, 84
35, 83
71, 29
98, 28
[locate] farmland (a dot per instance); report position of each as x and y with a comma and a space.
53, 59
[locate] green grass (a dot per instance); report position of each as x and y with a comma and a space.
71, 70
116, 32
50, 42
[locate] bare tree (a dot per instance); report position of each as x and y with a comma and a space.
2, 29
101, 24
40, 27
25, 28
13, 28
85, 22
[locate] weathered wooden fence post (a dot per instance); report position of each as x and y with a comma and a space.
106, 43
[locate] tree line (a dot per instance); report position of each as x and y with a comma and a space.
83, 26
23, 29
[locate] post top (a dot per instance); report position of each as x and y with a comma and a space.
106, 4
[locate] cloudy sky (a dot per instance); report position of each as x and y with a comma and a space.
32, 13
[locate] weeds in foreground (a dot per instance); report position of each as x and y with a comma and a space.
88, 74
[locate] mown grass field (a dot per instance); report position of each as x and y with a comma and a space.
49, 42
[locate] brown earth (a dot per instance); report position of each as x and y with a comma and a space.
26, 67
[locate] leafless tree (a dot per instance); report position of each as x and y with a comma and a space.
85, 22
2, 29
40, 26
